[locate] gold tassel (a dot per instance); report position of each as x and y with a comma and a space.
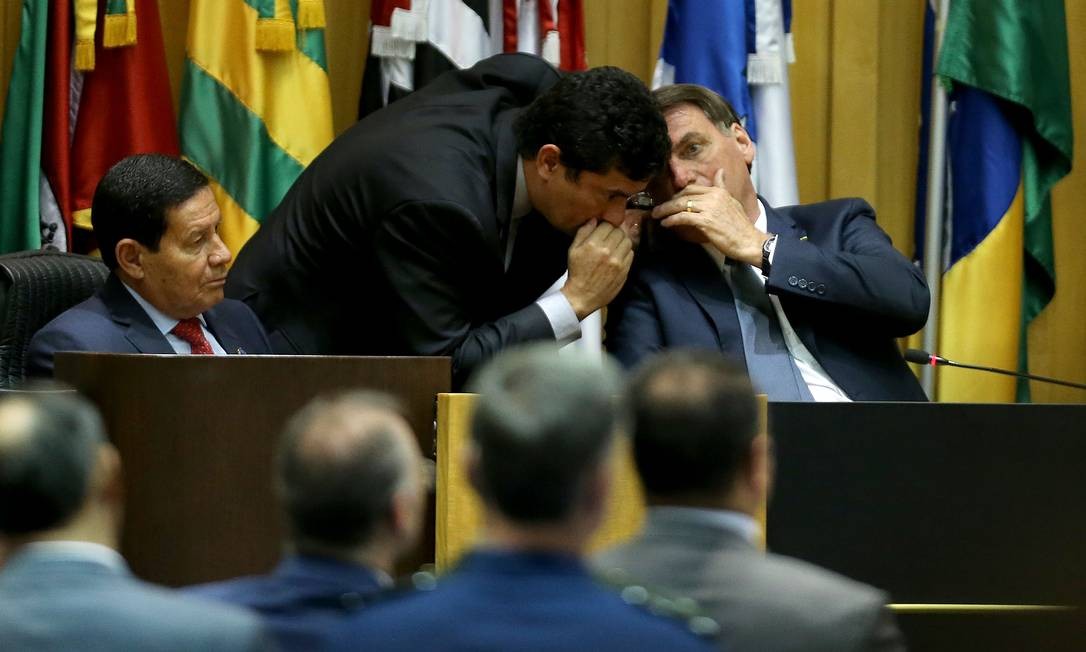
130, 35
274, 34
116, 31
120, 29
84, 55
311, 14
85, 14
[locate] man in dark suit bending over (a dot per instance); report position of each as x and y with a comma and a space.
156, 222
433, 226
810, 297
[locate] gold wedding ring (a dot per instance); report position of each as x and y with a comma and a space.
690, 205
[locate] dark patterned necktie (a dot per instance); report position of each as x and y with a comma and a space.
769, 363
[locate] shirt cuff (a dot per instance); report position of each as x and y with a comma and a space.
561, 317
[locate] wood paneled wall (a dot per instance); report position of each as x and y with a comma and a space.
855, 96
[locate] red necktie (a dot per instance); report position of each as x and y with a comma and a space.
190, 331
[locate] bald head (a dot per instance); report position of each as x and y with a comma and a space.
342, 459
49, 445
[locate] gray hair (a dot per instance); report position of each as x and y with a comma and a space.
542, 424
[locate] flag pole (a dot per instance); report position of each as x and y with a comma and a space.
933, 225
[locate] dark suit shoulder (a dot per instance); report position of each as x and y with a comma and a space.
825, 212
86, 326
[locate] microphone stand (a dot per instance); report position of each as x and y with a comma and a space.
916, 356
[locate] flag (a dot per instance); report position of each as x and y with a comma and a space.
740, 49
413, 41
20, 140
255, 102
1009, 140
99, 92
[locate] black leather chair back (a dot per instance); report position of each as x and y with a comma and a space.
35, 287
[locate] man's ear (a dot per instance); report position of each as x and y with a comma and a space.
742, 139
548, 160
129, 257
402, 511
108, 478
761, 469
469, 458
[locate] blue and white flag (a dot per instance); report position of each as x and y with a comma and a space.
741, 50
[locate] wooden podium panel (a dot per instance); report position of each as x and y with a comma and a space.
197, 436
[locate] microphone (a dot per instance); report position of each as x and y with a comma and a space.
916, 356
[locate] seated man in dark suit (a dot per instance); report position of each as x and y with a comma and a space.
350, 477
156, 222
810, 297
542, 432
433, 226
706, 472
64, 586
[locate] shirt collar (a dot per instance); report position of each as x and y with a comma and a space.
724, 519
522, 205
76, 551
163, 322
762, 224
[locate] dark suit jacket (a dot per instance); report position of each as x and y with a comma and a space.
763, 602
48, 603
112, 321
529, 602
301, 600
393, 241
846, 291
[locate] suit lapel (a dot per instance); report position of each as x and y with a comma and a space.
224, 333
781, 223
778, 221
140, 331
711, 292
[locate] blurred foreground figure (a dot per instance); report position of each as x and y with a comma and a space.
706, 472
542, 432
64, 586
352, 483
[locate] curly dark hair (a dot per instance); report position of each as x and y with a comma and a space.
600, 119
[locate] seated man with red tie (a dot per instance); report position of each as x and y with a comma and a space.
156, 222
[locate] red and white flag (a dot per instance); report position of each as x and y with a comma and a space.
413, 41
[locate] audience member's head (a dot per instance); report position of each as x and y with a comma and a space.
156, 222
351, 479
59, 477
694, 423
592, 140
542, 431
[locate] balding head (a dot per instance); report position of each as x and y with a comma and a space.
343, 460
49, 451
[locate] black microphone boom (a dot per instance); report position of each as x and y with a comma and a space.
916, 356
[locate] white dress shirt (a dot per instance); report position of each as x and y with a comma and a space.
164, 323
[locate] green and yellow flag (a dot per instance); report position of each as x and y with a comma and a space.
255, 103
